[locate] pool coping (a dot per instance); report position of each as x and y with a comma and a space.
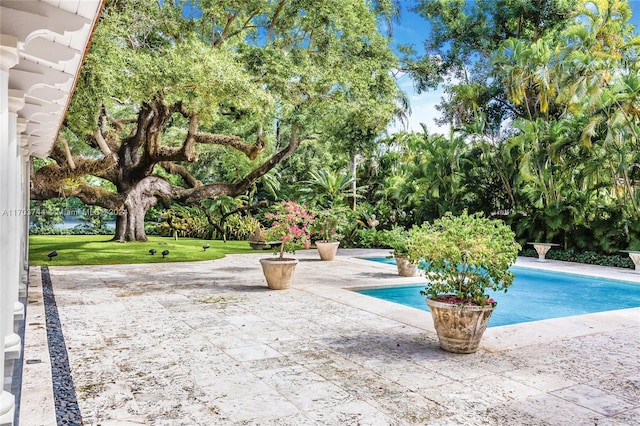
505, 337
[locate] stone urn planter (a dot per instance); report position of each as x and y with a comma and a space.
398, 239
290, 228
405, 268
327, 249
278, 272
328, 228
459, 328
463, 257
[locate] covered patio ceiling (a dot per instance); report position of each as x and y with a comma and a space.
51, 37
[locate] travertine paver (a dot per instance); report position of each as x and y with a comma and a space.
206, 343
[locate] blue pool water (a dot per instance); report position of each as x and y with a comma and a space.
535, 295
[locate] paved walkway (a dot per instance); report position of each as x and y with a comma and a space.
206, 343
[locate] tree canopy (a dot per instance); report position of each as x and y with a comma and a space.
166, 82
199, 102
543, 100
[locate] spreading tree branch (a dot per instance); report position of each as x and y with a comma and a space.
102, 143
57, 155
93, 195
233, 189
225, 31
250, 150
54, 175
67, 154
176, 169
258, 205
274, 19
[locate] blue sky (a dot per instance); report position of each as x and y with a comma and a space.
412, 29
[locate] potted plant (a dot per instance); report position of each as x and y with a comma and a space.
463, 257
290, 224
328, 227
398, 238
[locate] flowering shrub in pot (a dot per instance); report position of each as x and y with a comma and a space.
290, 223
463, 257
398, 239
328, 227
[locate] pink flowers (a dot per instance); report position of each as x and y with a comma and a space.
291, 225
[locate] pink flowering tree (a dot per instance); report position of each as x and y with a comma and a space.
291, 224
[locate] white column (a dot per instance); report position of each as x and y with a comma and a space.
8, 59
26, 189
9, 218
16, 102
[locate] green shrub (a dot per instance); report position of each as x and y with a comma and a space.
152, 228
185, 222
464, 256
588, 257
44, 215
331, 224
240, 227
366, 238
396, 238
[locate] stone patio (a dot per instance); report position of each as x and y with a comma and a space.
206, 343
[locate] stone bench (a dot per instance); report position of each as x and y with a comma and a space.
263, 245
542, 249
635, 256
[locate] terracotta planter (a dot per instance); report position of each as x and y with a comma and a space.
278, 272
327, 249
405, 268
459, 328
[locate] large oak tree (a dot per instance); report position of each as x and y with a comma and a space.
165, 81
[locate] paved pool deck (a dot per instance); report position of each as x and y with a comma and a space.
206, 343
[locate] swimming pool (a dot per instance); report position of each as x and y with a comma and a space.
536, 295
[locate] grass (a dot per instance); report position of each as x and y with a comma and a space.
99, 250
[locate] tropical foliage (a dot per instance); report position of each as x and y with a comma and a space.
542, 99
180, 221
544, 125
396, 238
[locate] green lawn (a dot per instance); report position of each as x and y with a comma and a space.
99, 250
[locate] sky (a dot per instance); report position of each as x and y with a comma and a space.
412, 29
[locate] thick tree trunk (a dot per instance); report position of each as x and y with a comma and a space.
139, 199
130, 224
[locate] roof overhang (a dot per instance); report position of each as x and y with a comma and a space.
50, 39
